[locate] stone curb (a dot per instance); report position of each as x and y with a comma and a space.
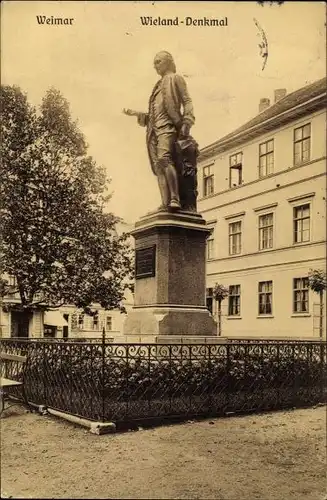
102, 428
97, 428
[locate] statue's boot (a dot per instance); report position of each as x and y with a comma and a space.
175, 204
172, 182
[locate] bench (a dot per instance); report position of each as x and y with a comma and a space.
12, 365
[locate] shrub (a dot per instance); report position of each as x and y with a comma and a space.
143, 378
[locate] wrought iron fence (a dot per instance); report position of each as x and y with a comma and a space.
140, 382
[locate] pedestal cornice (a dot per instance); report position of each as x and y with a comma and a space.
162, 219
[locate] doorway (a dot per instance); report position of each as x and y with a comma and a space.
65, 328
20, 321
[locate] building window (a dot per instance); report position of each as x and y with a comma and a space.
12, 281
209, 299
49, 331
208, 181
301, 295
12, 287
108, 323
266, 158
81, 321
265, 297
301, 216
74, 321
234, 300
235, 170
96, 322
235, 238
266, 227
302, 136
210, 246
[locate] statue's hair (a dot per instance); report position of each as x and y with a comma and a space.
169, 57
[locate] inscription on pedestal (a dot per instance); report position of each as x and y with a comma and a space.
145, 262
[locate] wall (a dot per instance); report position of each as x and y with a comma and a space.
278, 194
36, 327
283, 322
283, 161
88, 330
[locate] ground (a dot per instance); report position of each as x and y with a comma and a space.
273, 456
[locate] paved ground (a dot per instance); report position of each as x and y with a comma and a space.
276, 456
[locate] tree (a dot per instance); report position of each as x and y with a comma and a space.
219, 293
318, 283
58, 239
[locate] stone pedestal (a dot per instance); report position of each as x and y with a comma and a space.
169, 297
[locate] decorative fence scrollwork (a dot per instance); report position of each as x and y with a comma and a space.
139, 382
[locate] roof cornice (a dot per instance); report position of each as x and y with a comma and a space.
309, 106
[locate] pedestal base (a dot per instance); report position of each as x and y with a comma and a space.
170, 277
172, 321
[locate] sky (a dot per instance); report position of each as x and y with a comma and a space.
103, 62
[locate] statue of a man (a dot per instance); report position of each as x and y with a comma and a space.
169, 119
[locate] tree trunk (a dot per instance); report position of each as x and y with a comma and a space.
219, 317
22, 295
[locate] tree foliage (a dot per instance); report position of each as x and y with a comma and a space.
317, 280
219, 292
58, 240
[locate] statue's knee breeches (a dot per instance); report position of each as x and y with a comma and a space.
165, 144
163, 160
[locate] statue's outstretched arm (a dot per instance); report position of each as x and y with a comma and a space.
142, 118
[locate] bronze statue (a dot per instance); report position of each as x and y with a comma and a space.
172, 151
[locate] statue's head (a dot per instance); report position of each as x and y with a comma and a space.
164, 63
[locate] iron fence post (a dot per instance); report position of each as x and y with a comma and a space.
44, 375
150, 391
92, 395
278, 377
261, 385
294, 385
170, 377
103, 374
211, 409
127, 382
228, 377
322, 371
70, 374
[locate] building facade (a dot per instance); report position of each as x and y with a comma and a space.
64, 322
263, 193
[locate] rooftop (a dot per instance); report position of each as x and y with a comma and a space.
287, 103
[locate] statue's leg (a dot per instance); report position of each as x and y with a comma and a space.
163, 188
172, 181
165, 165
158, 170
